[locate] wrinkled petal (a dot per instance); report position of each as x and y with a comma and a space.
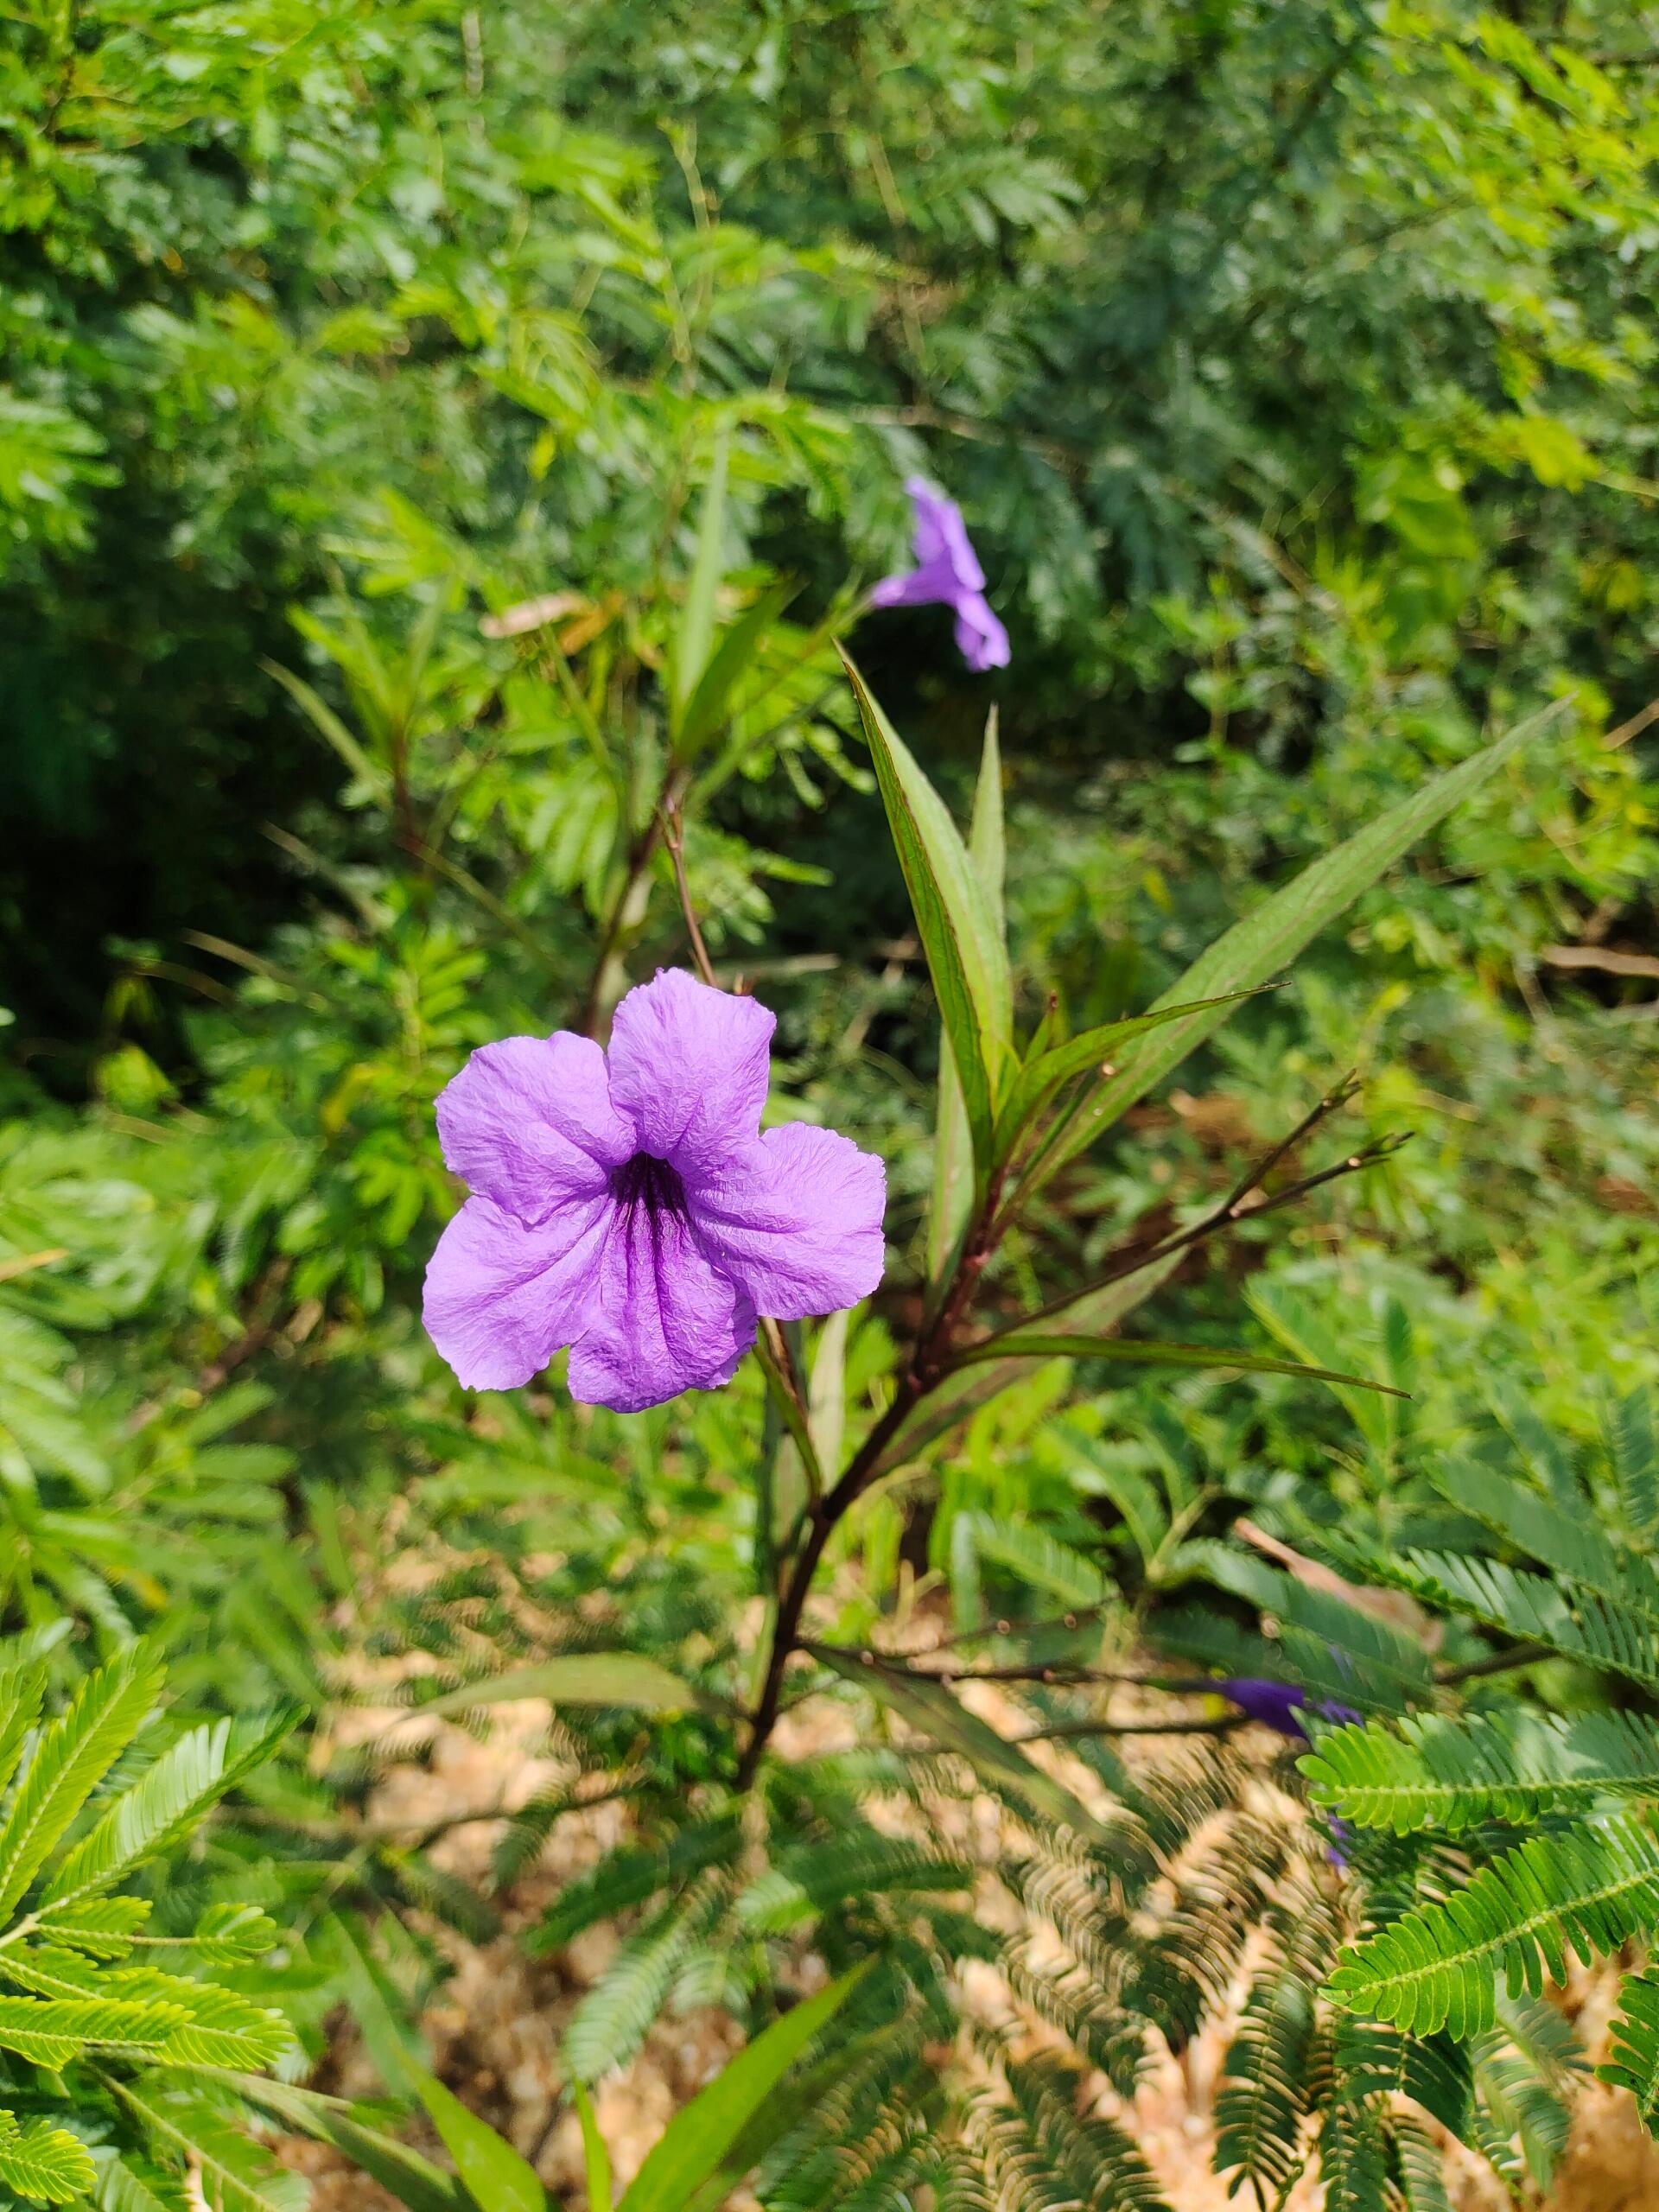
797, 1224
980, 640
690, 1068
666, 1320
501, 1298
529, 1123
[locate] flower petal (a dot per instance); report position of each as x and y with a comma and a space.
796, 1224
529, 1123
980, 640
666, 1320
502, 1298
690, 1067
941, 537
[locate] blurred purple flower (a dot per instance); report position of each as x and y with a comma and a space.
1275, 1705
1278, 1704
947, 573
627, 1205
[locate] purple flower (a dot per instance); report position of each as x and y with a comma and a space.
1275, 1705
947, 573
627, 1205
1278, 1704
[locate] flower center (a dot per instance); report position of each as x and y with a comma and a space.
646, 1181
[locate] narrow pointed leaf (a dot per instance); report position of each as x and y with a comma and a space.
601, 2195
1047, 1072
1021, 1344
953, 1157
965, 955
623, 1678
1265, 942
707, 709
404, 2174
696, 629
698, 2138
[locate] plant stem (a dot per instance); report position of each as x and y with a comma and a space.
929, 1365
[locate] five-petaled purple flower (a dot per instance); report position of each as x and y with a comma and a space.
627, 1205
947, 573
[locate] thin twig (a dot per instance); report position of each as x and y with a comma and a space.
674, 838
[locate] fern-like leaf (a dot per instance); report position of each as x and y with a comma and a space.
1436, 1968
1632, 2062
43, 2163
166, 1802
72, 1755
1634, 1450
232, 2175
1531, 1608
1260, 2105
1453, 1773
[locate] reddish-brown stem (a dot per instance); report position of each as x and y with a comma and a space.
928, 1364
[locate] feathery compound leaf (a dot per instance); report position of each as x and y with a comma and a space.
1434, 1771
1632, 2062
235, 2176
166, 1802
966, 956
1531, 1608
72, 1755
1568, 1542
1634, 1450
632, 1875
52, 2031
44, 2164
929, 1707
1371, 2059
20, 1695
863, 1864
1589, 1891
1265, 2086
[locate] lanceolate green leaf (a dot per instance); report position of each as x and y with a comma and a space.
953, 1151
930, 1708
1049, 1071
413, 2180
626, 1678
696, 628
596, 2157
965, 954
1260, 947
698, 2138
1021, 1344
493, 2173
707, 707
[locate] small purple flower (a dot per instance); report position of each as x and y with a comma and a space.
1279, 1706
948, 573
627, 1205
1275, 1705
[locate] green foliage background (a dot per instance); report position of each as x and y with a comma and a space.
1293, 364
